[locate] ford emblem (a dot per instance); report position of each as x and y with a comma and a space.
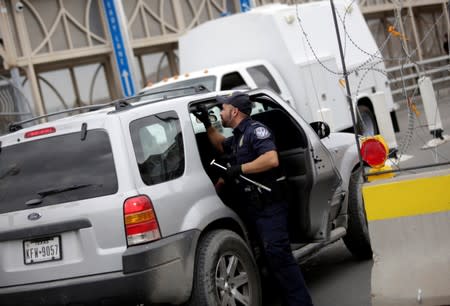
34, 216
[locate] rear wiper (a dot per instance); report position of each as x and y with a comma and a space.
43, 193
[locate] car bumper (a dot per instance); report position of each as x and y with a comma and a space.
158, 272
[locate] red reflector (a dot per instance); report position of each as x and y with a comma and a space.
40, 132
373, 152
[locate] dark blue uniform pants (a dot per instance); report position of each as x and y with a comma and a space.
270, 225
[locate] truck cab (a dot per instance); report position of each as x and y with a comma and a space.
243, 75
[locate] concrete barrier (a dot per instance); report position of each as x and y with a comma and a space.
409, 225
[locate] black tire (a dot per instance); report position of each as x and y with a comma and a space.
366, 121
357, 238
225, 270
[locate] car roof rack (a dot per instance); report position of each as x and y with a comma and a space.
119, 105
197, 89
15, 126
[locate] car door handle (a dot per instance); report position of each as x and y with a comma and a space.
317, 159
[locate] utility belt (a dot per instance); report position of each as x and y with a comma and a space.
260, 198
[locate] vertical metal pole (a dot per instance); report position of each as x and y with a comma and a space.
39, 107
27, 53
18, 95
389, 46
415, 33
121, 45
402, 30
245, 5
179, 17
446, 8
126, 34
347, 86
9, 47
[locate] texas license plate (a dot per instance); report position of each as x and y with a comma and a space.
42, 250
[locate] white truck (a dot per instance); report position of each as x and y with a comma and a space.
293, 50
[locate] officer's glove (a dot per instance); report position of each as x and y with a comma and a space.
234, 171
202, 114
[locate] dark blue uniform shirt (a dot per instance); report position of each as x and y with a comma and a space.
250, 140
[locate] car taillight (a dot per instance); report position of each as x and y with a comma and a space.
40, 132
141, 225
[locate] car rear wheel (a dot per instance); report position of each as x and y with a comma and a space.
357, 238
225, 272
366, 121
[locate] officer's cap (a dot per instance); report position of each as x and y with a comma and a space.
239, 100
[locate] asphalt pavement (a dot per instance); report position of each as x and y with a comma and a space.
334, 277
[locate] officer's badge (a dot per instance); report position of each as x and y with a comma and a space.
262, 133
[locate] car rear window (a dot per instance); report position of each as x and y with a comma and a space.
263, 78
158, 146
56, 169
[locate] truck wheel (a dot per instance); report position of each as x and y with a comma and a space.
225, 272
366, 121
357, 238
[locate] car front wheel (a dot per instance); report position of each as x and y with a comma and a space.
225, 272
357, 238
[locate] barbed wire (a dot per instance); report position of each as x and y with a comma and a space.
380, 49
311, 47
369, 64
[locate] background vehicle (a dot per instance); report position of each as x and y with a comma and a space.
265, 48
119, 204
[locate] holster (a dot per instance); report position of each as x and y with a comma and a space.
261, 198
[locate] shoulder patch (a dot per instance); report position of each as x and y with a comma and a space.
262, 133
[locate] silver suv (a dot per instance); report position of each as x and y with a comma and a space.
118, 204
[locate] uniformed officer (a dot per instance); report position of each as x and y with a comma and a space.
254, 155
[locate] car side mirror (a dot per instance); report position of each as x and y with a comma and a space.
321, 128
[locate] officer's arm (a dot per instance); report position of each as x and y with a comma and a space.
263, 163
216, 138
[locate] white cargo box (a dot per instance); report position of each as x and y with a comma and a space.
274, 33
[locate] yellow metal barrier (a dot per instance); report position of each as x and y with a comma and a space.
409, 224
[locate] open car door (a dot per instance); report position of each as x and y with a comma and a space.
312, 178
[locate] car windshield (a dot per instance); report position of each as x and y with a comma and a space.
186, 87
63, 168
